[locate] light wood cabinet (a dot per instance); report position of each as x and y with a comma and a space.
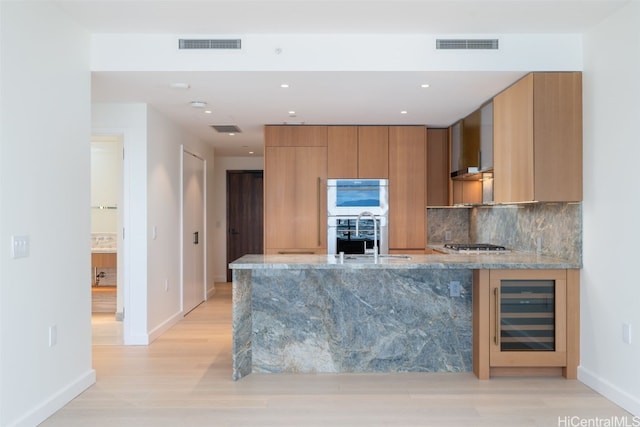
342, 151
358, 152
407, 187
295, 201
373, 152
538, 139
295, 136
526, 322
104, 260
437, 170
467, 192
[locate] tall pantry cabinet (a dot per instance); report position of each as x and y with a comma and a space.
407, 188
295, 176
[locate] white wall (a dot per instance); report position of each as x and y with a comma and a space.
222, 165
45, 194
152, 199
323, 52
130, 121
610, 284
165, 140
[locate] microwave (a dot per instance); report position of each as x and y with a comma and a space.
354, 196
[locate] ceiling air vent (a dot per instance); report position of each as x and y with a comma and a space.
226, 128
466, 44
209, 44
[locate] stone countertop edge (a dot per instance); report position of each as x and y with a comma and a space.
473, 261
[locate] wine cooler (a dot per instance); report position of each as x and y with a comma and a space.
528, 318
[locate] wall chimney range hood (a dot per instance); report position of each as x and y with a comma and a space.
472, 144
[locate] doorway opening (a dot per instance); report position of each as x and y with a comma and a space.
107, 278
244, 214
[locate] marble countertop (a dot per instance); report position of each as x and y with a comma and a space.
473, 261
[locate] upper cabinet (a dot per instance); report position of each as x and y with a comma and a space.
358, 151
373, 151
486, 137
342, 150
538, 139
437, 167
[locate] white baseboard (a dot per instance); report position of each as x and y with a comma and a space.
211, 291
165, 326
57, 401
618, 396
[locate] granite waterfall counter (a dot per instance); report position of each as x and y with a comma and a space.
313, 313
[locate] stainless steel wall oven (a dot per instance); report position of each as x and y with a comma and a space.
357, 212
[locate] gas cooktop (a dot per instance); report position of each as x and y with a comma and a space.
480, 247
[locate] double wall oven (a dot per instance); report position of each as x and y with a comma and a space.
358, 216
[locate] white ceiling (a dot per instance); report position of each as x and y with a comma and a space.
251, 99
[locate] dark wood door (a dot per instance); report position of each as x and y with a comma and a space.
244, 215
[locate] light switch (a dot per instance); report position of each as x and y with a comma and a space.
19, 246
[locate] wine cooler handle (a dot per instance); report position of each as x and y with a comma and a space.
496, 337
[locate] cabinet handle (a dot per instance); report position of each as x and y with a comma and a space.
318, 188
496, 337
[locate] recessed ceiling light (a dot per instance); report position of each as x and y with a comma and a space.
424, 85
292, 113
207, 111
180, 85
403, 112
232, 134
284, 85
198, 104
250, 152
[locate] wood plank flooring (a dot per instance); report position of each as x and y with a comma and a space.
184, 379
103, 299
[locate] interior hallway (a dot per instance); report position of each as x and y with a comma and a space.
184, 379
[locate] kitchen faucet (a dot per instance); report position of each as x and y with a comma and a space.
375, 232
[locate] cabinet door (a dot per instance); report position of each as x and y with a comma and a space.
528, 318
407, 187
467, 192
470, 151
486, 137
513, 143
437, 167
295, 136
557, 127
295, 198
342, 150
373, 151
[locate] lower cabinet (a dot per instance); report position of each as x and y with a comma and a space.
526, 322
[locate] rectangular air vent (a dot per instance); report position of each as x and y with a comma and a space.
466, 43
226, 128
209, 44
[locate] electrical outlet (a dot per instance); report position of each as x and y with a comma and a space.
454, 289
53, 335
166, 284
447, 235
626, 333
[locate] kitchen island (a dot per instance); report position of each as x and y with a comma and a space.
395, 313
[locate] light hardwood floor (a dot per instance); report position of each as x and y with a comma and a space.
184, 379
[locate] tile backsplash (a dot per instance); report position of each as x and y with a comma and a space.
552, 229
